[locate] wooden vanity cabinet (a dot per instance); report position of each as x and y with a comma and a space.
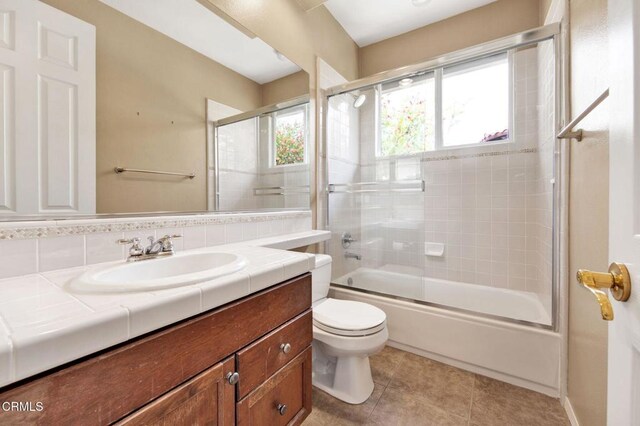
207, 399
184, 373
284, 399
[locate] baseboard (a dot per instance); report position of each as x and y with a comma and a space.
568, 408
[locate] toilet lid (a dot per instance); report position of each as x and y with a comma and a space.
348, 318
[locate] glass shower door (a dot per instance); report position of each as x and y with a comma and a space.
375, 204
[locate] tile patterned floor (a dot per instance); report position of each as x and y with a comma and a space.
412, 390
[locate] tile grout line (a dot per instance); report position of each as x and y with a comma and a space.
473, 392
377, 402
391, 375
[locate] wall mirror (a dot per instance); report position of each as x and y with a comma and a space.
148, 106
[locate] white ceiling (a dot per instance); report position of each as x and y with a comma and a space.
195, 26
370, 21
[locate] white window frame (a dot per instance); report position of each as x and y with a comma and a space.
272, 136
438, 74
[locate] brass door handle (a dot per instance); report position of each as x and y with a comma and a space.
617, 280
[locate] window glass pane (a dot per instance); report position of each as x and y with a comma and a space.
475, 102
290, 136
407, 116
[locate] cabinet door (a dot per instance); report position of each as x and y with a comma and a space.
207, 399
284, 399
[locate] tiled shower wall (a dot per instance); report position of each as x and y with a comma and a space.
343, 152
238, 163
542, 201
490, 206
245, 166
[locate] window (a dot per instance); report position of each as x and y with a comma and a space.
461, 105
475, 102
407, 116
289, 136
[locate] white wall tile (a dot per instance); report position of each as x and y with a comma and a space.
61, 252
103, 248
233, 232
194, 237
18, 257
215, 235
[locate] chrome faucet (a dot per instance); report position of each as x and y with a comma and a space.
349, 255
157, 248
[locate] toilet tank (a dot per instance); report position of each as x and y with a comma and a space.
321, 277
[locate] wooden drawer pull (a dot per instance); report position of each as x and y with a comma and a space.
282, 409
285, 347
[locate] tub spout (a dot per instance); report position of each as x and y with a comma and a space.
349, 255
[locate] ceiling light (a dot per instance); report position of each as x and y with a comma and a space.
420, 3
405, 82
279, 55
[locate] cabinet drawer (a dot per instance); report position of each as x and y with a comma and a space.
284, 399
260, 360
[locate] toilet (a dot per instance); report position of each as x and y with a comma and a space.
345, 334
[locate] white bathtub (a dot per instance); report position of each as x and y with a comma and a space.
518, 305
520, 354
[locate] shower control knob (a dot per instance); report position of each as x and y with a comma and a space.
233, 378
285, 347
347, 239
282, 409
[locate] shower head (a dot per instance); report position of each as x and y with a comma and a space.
359, 100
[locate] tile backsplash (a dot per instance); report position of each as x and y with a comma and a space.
40, 246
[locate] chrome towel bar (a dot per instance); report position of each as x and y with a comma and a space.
281, 190
389, 186
153, 172
567, 133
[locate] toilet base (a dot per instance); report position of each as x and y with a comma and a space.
350, 380
341, 363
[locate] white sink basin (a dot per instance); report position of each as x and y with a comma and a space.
156, 274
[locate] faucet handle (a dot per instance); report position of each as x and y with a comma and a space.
125, 241
167, 243
135, 249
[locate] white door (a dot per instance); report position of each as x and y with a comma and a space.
47, 110
623, 406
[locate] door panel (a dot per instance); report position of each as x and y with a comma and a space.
623, 400
7, 137
65, 77
47, 110
58, 147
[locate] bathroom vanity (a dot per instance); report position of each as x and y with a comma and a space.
246, 363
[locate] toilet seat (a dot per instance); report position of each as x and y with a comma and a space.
348, 318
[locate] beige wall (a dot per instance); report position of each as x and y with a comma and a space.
498, 19
288, 87
151, 93
545, 5
299, 35
588, 211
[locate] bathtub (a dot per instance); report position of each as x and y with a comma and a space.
497, 302
448, 328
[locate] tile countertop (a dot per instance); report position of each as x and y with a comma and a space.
43, 326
